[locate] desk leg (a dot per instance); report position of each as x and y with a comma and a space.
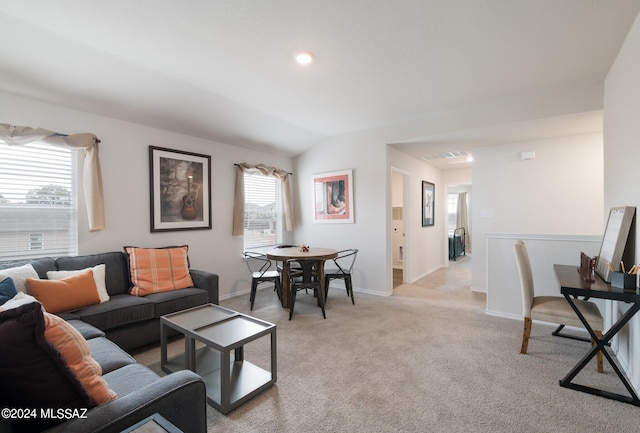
601, 346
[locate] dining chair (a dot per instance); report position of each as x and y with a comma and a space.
552, 309
344, 265
307, 276
259, 266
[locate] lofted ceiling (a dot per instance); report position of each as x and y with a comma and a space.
223, 69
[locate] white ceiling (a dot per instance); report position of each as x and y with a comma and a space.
224, 70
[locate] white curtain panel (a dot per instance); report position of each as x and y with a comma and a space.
462, 219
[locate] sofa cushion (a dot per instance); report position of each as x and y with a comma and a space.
67, 294
109, 355
7, 289
170, 302
116, 271
98, 276
130, 378
119, 311
19, 275
69, 316
86, 330
155, 270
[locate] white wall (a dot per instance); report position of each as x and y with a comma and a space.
558, 192
125, 172
621, 174
366, 156
460, 176
504, 297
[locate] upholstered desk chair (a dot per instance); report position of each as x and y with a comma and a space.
306, 276
553, 309
343, 267
259, 267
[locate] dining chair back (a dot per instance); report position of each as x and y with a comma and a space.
551, 309
307, 275
278, 265
343, 267
260, 268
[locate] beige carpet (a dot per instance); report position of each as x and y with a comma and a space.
424, 360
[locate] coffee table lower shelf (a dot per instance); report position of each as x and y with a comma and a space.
246, 379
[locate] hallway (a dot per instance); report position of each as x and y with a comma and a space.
449, 285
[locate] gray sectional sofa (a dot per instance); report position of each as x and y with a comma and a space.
129, 322
179, 397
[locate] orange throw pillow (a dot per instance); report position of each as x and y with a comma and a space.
156, 270
75, 351
58, 296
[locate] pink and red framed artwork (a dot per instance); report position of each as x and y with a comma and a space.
333, 197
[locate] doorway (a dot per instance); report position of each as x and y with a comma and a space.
459, 220
399, 209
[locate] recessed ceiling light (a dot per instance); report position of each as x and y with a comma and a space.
304, 57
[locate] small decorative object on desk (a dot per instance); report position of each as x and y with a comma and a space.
304, 248
587, 266
625, 279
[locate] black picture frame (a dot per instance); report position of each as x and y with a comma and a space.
180, 190
428, 203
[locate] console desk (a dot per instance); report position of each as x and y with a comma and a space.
572, 285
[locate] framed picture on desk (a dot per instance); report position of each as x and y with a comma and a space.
614, 241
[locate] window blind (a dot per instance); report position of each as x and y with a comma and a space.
262, 211
38, 201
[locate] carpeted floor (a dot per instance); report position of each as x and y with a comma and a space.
427, 359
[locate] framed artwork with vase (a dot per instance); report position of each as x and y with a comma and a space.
180, 190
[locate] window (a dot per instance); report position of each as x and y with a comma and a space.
38, 201
263, 219
452, 210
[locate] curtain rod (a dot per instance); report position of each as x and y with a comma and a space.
238, 165
97, 140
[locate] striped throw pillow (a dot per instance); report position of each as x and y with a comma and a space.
74, 349
156, 270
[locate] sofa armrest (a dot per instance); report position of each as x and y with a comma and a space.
207, 281
180, 397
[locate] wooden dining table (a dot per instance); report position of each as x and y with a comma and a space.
284, 254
